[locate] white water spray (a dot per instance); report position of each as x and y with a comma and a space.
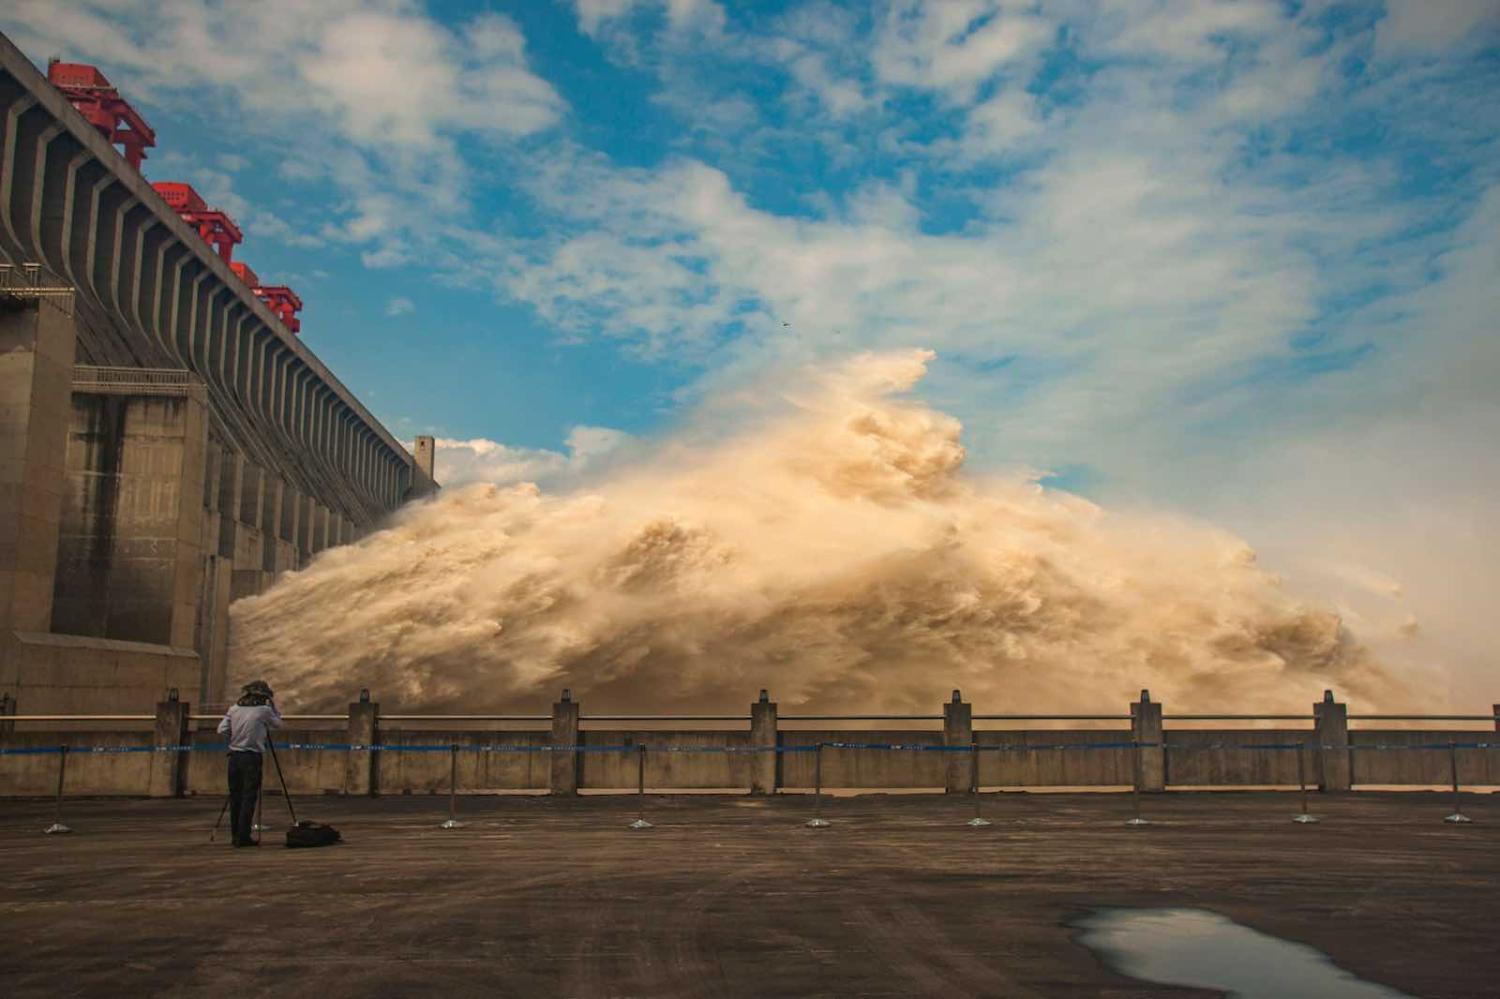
837, 555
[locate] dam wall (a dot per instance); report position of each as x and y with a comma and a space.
167, 443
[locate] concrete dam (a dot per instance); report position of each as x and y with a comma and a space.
168, 444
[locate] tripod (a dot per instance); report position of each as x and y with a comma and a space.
220, 820
282, 778
284, 792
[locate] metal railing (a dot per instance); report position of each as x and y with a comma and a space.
1473, 718
780, 717
466, 718
155, 381
25, 282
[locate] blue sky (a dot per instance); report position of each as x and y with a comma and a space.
1236, 258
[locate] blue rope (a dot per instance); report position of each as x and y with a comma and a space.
807, 748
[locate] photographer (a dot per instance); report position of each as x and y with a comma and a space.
247, 723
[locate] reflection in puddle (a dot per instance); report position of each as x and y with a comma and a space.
1204, 949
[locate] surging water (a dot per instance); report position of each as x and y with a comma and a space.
836, 554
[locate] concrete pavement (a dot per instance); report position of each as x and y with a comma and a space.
729, 896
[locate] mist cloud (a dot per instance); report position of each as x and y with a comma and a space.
834, 552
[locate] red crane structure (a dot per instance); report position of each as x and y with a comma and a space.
284, 302
91, 93
278, 297
244, 273
213, 225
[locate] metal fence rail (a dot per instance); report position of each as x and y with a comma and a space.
641, 751
153, 381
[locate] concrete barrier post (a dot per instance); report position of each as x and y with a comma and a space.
362, 767
765, 769
1331, 725
565, 733
1151, 751
958, 732
168, 777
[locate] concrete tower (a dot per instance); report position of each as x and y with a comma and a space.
427, 456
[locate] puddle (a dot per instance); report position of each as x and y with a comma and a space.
1204, 949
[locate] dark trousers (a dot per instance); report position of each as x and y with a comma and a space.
244, 787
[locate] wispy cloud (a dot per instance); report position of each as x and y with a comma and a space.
463, 462
368, 97
400, 306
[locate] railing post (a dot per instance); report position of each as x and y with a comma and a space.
58, 826
1151, 751
168, 775
362, 767
1495, 709
1458, 815
817, 821
640, 789
978, 821
765, 765
958, 731
7, 708
565, 733
452, 821
1331, 725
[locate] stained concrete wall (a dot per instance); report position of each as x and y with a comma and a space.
1055, 768
1424, 766
83, 675
88, 773
685, 770
1192, 760
123, 518
130, 557
426, 772
36, 377
41, 671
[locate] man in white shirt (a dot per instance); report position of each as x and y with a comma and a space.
248, 724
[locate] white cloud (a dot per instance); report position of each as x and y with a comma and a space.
590, 443
462, 462
701, 17
1186, 30
404, 80
370, 96
593, 14
957, 45
382, 72
400, 306
1428, 27
1003, 123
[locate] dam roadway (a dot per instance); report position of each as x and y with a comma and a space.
732, 896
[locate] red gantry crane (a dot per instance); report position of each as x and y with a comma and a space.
214, 226
91, 93
278, 297
284, 302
